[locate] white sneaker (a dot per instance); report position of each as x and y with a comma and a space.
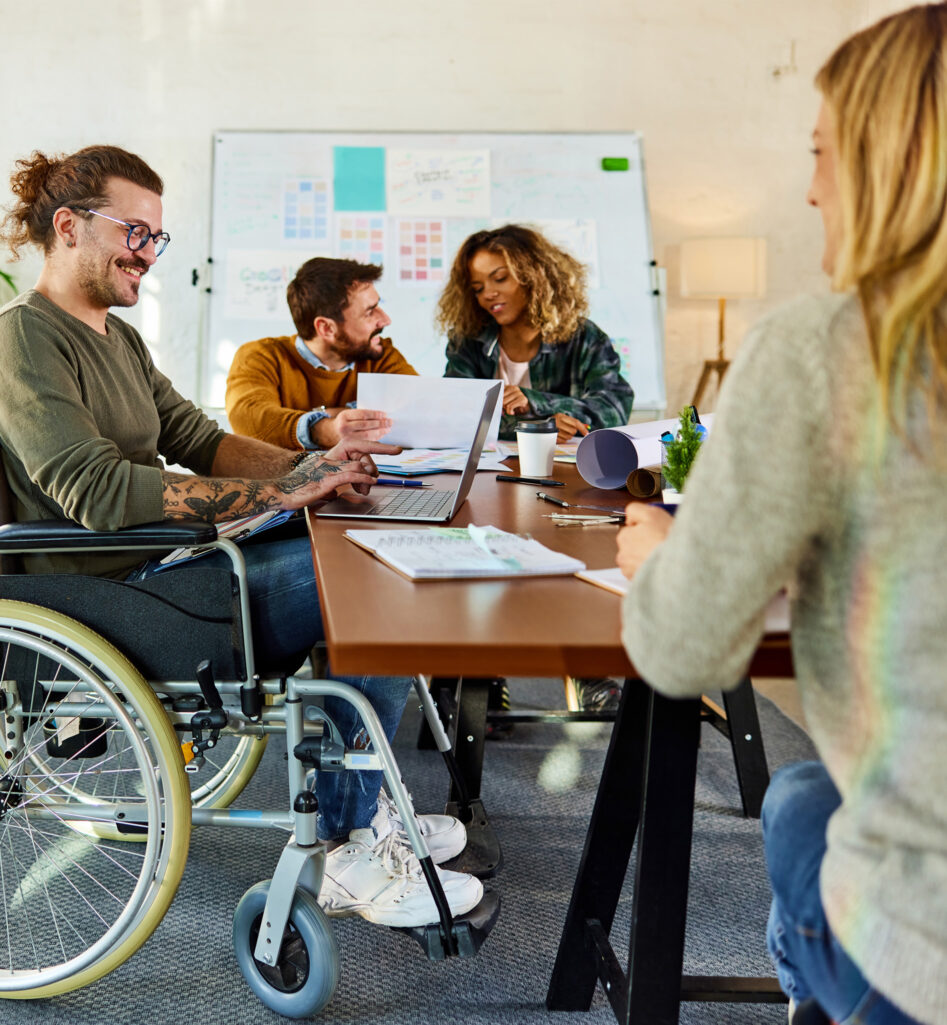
445, 836
380, 878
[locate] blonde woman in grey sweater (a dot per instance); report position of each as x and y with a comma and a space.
827, 470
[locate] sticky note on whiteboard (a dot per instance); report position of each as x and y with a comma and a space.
614, 163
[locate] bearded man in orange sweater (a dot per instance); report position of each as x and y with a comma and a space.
299, 391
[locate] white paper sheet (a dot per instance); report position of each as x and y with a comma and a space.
430, 460
428, 412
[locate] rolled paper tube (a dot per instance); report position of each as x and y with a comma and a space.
643, 482
605, 457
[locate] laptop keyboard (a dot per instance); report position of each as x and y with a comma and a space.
412, 502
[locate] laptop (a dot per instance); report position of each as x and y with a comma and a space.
420, 505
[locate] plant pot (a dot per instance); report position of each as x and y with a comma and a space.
671, 497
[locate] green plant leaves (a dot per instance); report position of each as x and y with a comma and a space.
679, 454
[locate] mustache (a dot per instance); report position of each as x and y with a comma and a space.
134, 264
375, 333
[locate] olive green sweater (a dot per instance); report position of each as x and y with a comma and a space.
803, 482
84, 418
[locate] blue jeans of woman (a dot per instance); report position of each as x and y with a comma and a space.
286, 623
810, 962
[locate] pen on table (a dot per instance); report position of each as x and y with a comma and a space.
618, 513
531, 480
393, 482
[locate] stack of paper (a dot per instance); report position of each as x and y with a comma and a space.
457, 552
233, 530
413, 462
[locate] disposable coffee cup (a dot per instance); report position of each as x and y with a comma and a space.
536, 442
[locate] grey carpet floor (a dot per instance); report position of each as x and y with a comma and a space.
538, 787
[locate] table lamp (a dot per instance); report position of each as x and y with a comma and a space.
721, 269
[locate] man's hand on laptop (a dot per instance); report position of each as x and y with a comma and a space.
360, 424
316, 477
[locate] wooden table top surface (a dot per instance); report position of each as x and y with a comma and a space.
379, 622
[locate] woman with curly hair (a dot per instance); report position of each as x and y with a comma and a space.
514, 310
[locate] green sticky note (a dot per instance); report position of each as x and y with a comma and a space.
614, 163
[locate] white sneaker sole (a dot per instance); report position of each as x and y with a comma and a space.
399, 916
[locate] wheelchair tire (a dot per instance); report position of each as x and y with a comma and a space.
306, 972
76, 903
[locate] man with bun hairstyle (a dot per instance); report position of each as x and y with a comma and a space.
86, 420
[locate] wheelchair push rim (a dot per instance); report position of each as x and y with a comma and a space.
76, 903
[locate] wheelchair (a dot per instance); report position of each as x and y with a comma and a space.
108, 759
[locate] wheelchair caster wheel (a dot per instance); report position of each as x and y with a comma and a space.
305, 972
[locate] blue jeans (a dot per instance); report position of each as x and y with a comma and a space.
287, 622
810, 962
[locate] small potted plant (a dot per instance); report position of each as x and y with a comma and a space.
680, 451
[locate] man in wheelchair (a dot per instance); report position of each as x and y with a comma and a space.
86, 420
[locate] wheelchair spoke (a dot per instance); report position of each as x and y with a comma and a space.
79, 772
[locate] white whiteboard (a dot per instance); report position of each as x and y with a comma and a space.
282, 197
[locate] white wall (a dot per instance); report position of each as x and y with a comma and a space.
721, 91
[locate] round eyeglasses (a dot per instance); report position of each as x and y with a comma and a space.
138, 234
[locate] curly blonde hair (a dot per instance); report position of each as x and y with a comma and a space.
887, 89
553, 280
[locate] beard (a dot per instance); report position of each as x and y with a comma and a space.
348, 349
93, 278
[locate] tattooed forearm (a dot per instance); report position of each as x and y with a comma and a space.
213, 500
307, 472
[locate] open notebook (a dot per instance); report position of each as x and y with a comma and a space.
453, 553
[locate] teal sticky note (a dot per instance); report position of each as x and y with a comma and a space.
359, 178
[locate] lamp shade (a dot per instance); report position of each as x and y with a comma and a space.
723, 268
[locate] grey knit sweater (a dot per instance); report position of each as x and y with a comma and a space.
802, 482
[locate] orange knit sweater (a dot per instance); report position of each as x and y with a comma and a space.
270, 387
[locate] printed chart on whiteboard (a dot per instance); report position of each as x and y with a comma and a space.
405, 201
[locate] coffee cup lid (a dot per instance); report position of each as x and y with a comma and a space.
545, 426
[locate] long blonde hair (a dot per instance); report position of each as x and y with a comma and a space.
554, 282
887, 87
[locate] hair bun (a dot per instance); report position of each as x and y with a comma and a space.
28, 181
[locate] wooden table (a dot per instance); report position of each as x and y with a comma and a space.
378, 622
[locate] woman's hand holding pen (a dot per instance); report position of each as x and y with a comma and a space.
645, 528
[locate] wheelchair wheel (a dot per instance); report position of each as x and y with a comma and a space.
88, 757
306, 972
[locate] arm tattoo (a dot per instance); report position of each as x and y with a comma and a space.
211, 499
306, 475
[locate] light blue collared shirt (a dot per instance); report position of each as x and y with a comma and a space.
307, 420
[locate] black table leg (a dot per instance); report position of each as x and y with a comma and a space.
482, 856
659, 909
647, 786
470, 730
746, 741
607, 849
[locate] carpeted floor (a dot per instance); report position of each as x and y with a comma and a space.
538, 788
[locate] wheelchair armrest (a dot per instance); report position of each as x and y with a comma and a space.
50, 535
